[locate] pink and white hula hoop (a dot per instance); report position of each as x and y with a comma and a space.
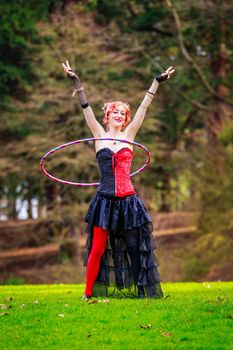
87, 140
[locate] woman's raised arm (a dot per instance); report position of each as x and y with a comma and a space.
95, 127
132, 129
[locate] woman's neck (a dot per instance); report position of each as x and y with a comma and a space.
114, 132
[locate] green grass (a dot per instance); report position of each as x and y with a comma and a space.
191, 316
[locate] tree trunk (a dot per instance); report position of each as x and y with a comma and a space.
12, 196
29, 200
165, 192
51, 195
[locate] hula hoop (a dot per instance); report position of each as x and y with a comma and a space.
42, 161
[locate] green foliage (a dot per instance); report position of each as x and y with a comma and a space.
216, 188
11, 281
133, 15
107, 10
14, 128
226, 136
210, 258
150, 15
17, 33
18, 38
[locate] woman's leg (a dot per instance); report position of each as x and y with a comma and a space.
132, 245
98, 247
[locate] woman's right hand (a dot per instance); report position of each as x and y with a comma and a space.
68, 70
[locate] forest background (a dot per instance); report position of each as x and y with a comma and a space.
117, 48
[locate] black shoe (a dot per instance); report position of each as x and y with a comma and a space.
86, 297
141, 292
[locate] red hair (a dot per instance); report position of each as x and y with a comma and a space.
110, 107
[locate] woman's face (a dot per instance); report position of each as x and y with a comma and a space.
117, 116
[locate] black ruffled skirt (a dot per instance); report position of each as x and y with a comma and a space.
126, 215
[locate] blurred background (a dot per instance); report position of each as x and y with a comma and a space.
117, 47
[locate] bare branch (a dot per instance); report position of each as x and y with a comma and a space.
184, 50
189, 58
153, 28
193, 102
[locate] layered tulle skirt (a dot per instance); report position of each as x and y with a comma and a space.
123, 216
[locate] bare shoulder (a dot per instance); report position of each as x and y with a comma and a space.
130, 132
126, 135
99, 133
114, 146
101, 143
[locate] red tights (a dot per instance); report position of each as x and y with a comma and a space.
98, 247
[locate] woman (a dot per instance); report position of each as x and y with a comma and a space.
120, 243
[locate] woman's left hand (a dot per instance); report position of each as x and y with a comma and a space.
166, 75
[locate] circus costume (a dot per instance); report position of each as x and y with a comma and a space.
120, 246
128, 262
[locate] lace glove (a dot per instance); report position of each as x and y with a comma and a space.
78, 88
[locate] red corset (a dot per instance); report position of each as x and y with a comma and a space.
121, 164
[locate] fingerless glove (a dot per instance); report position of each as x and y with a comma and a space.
79, 89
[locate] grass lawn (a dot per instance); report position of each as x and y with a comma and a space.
191, 316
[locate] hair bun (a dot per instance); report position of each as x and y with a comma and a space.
108, 104
105, 106
127, 104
